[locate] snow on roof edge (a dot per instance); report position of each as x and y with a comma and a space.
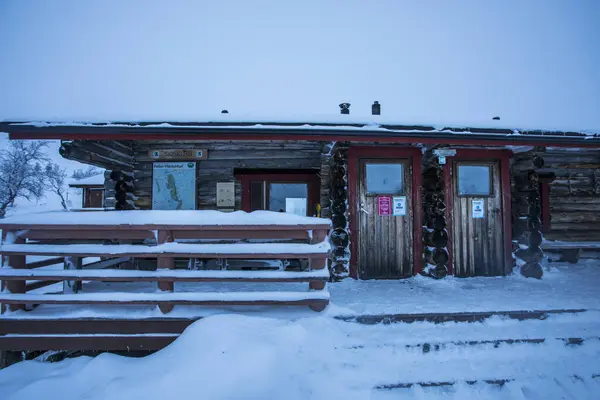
288, 125
92, 180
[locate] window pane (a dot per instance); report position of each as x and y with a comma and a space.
256, 195
474, 180
384, 178
288, 197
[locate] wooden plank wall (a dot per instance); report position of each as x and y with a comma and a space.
223, 158
574, 196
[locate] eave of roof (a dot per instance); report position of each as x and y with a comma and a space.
296, 131
86, 185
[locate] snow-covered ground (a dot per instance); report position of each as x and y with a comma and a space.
242, 357
563, 286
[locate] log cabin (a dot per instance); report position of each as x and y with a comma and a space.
402, 199
92, 191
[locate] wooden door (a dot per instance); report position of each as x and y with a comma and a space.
385, 240
477, 229
93, 198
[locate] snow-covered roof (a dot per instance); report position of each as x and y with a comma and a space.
333, 129
96, 180
534, 63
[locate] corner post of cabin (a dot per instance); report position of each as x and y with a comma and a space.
534, 253
338, 207
165, 262
16, 262
435, 235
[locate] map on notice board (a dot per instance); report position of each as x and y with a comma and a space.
174, 186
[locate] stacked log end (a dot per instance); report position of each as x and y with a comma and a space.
339, 237
528, 181
435, 234
122, 193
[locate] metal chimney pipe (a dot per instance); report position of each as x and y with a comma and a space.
376, 108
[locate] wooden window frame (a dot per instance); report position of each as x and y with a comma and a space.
310, 178
475, 164
384, 162
85, 195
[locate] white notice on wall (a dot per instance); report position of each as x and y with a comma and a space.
477, 208
399, 205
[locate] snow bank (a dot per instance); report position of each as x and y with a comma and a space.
165, 217
240, 357
222, 357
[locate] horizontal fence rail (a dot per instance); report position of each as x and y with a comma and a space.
122, 249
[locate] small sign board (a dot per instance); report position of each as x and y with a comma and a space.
178, 154
444, 152
384, 205
477, 208
399, 205
225, 194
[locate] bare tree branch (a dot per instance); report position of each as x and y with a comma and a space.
56, 181
22, 174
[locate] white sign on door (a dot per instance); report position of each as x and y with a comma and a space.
399, 205
477, 207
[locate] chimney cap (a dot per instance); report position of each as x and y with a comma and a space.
345, 108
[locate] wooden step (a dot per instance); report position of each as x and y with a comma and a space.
559, 245
309, 298
228, 250
115, 275
87, 342
57, 325
438, 318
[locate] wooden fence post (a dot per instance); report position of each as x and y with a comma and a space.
71, 263
17, 262
317, 264
165, 262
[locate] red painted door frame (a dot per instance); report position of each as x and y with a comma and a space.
414, 156
503, 157
311, 179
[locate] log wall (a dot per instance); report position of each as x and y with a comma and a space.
574, 195
223, 158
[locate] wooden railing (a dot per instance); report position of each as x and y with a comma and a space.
164, 243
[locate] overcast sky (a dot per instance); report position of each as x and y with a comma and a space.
535, 63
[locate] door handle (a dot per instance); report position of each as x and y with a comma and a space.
362, 208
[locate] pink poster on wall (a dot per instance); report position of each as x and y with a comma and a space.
384, 205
